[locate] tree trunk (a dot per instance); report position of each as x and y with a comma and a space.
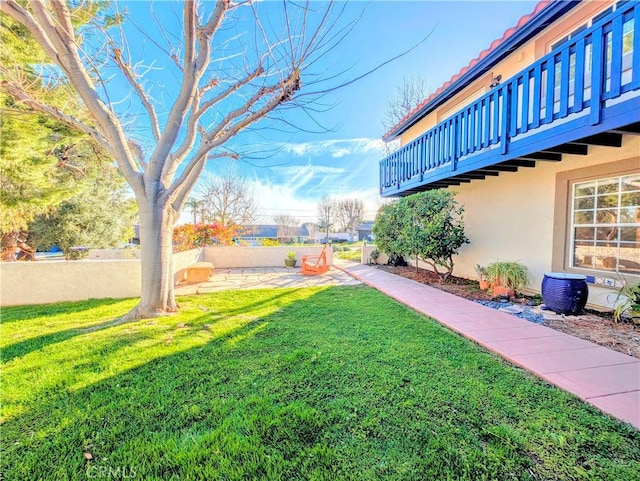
156, 249
9, 245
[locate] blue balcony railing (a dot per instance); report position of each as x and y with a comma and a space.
596, 70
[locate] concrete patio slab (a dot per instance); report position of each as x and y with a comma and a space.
264, 278
607, 379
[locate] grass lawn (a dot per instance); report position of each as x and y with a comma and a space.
323, 383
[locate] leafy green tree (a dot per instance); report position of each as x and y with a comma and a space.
427, 226
99, 217
387, 229
43, 161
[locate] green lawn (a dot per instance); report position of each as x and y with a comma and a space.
324, 383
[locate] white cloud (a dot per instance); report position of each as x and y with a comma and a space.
336, 148
308, 169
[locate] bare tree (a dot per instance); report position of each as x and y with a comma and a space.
326, 214
287, 226
405, 99
312, 228
229, 199
349, 213
232, 64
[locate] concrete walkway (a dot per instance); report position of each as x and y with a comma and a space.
604, 378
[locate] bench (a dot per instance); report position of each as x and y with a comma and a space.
199, 272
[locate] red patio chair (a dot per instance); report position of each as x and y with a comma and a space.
312, 265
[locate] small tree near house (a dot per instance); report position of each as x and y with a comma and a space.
427, 226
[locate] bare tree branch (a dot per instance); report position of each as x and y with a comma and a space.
130, 76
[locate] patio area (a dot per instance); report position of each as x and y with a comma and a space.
265, 278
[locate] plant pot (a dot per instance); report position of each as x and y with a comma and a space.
503, 291
484, 285
564, 293
290, 262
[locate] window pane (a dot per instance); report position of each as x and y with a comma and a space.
630, 234
606, 263
630, 215
607, 186
608, 216
607, 233
630, 257
583, 217
584, 203
630, 199
608, 200
606, 253
606, 224
632, 182
588, 188
584, 254
627, 37
584, 233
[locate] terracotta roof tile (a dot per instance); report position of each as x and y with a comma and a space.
508, 33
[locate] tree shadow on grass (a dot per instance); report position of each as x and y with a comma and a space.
22, 348
36, 311
263, 402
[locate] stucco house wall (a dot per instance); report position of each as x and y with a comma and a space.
512, 217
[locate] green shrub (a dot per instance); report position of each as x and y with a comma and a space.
427, 226
513, 275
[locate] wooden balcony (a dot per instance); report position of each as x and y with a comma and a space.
584, 92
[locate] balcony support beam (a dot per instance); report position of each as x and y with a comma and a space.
489, 172
570, 148
547, 156
522, 163
632, 129
606, 139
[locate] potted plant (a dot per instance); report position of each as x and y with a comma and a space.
290, 260
507, 277
628, 303
482, 274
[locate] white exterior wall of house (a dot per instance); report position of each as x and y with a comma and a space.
511, 217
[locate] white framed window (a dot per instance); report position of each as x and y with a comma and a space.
605, 225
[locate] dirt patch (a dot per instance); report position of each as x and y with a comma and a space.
594, 326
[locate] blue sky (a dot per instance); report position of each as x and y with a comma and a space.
298, 168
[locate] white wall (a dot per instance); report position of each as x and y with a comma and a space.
41, 282
365, 257
238, 257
